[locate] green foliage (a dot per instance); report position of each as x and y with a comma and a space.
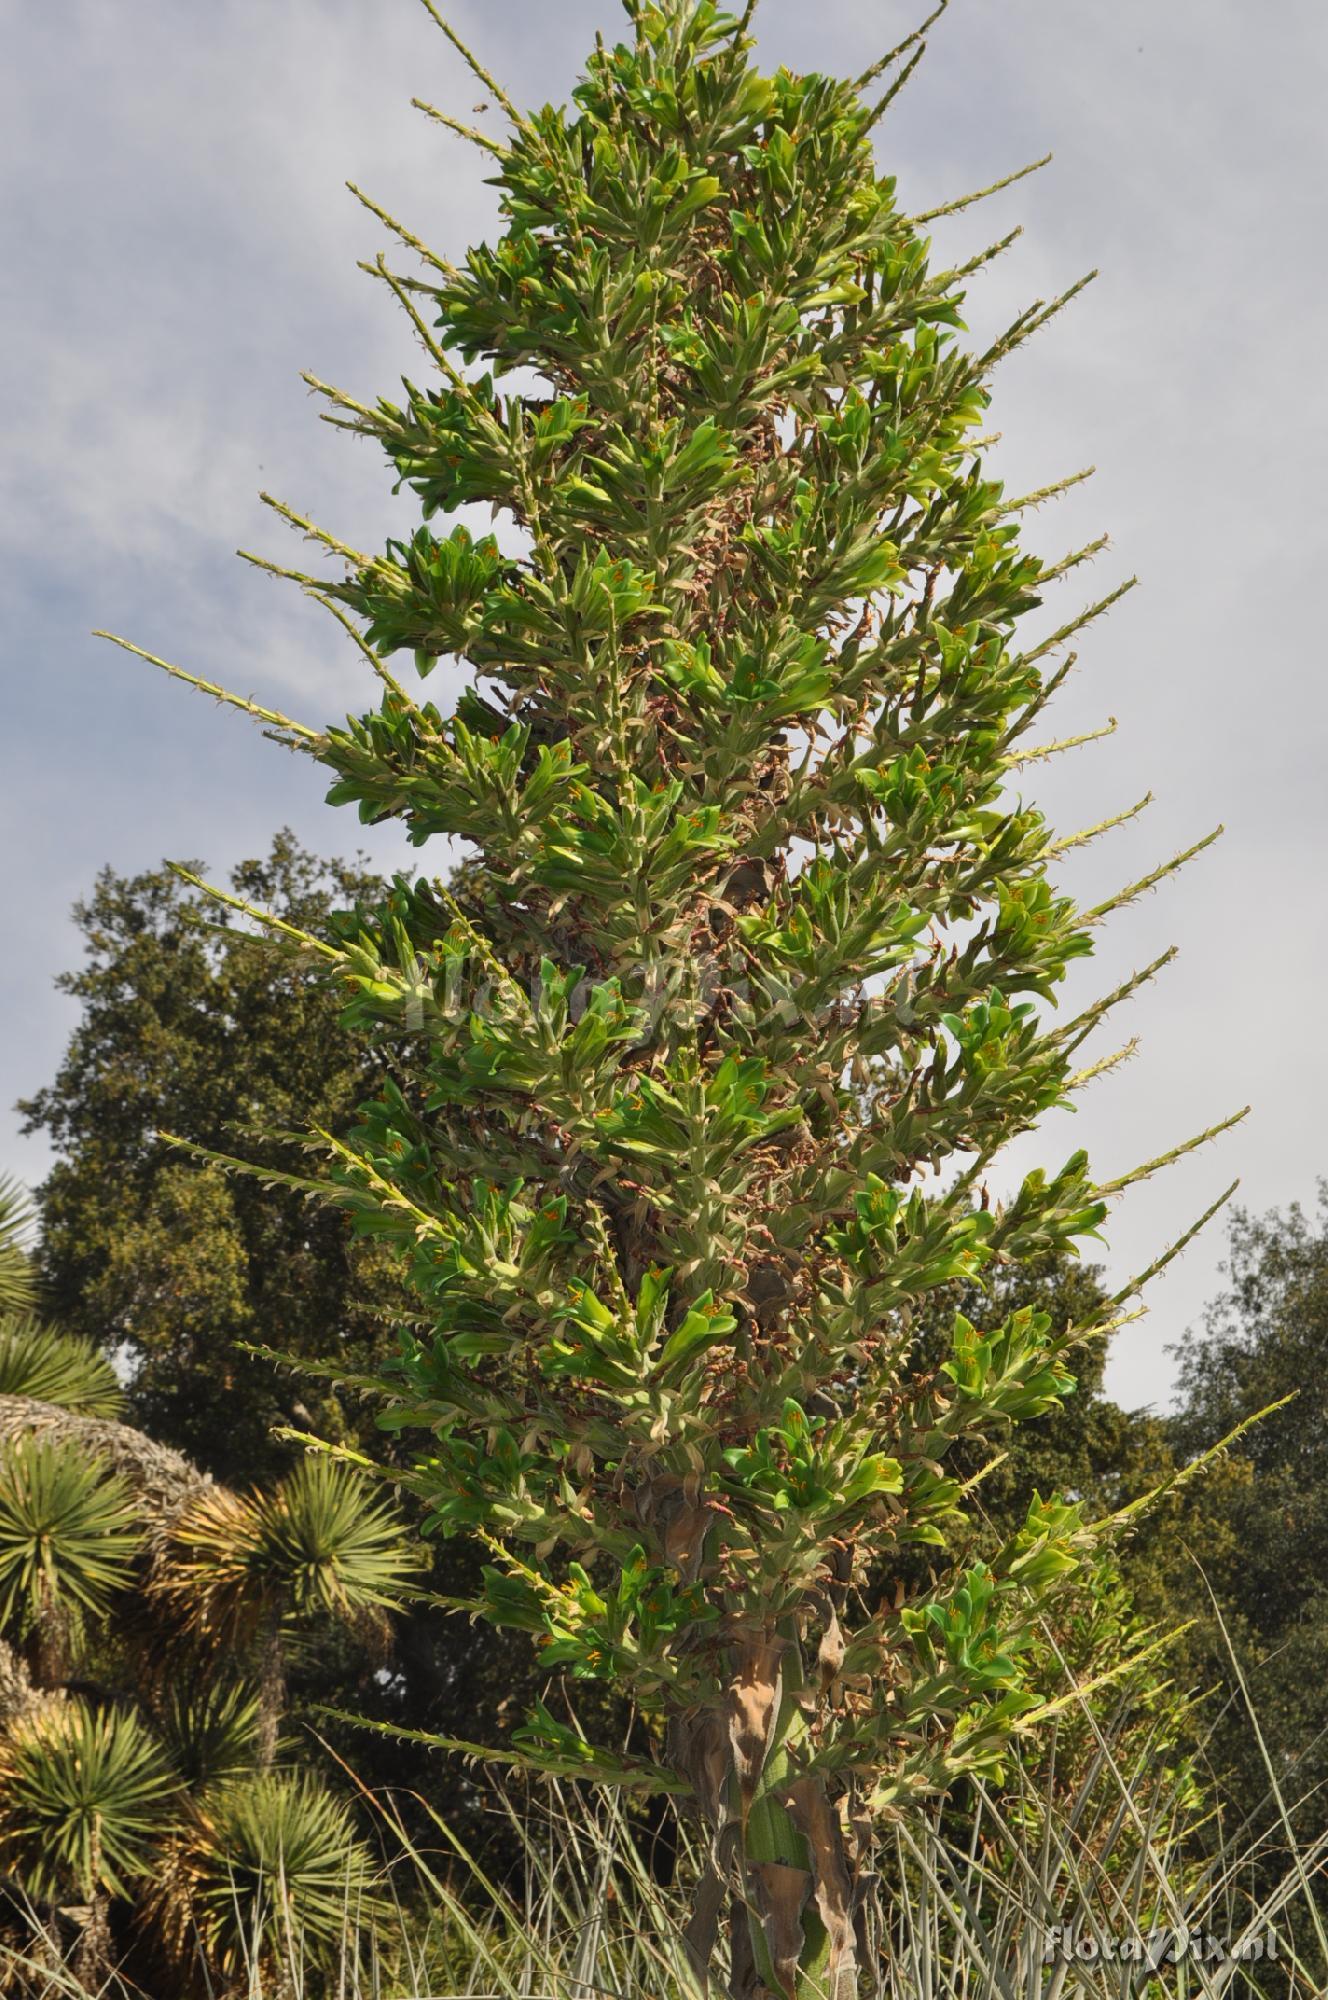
1084, 1446
209, 1731
82, 1798
1255, 1532
69, 1534
320, 1544
268, 1867
684, 1227
18, 1284
57, 1368
164, 1742
701, 1075
187, 1026
334, 1547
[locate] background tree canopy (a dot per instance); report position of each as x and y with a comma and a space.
1257, 1529
191, 1028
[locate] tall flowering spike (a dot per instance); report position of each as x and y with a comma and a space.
703, 1062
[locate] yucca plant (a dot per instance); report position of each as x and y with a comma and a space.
269, 1870
60, 1368
337, 1546
238, 1577
706, 1067
239, 1570
205, 1583
208, 1730
69, 1537
84, 1796
177, 1786
18, 1281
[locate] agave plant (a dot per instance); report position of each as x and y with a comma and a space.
269, 1872
242, 1568
69, 1535
18, 1284
59, 1368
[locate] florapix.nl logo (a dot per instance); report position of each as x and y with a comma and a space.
1077, 1944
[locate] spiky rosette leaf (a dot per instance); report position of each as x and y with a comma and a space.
269, 1872
208, 1732
206, 1579
69, 1535
321, 1543
59, 1368
85, 1796
334, 1546
18, 1282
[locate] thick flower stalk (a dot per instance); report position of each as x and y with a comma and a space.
704, 1063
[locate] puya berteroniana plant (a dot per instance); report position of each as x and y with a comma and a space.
705, 1062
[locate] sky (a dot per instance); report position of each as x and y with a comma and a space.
179, 244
